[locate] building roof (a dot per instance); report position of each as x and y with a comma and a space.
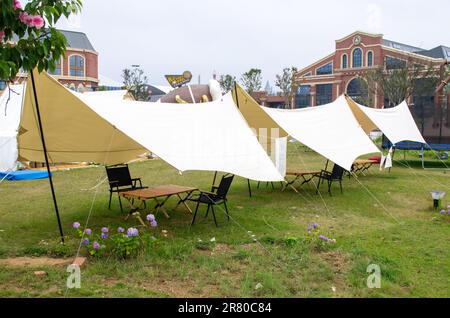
77, 40
439, 52
401, 46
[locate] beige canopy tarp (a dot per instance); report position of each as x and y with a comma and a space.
73, 132
256, 117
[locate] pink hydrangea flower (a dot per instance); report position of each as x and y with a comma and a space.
2, 35
17, 5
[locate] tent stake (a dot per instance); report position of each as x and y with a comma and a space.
44, 147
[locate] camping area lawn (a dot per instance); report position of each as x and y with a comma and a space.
384, 219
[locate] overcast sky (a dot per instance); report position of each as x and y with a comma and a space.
171, 36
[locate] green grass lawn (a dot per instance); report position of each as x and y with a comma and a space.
397, 231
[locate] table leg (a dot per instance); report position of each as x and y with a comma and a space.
183, 201
159, 206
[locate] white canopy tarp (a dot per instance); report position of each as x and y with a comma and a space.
115, 94
10, 110
331, 130
396, 123
206, 136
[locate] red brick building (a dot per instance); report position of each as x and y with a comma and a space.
78, 68
265, 99
338, 73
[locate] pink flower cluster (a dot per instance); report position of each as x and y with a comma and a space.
2, 35
17, 5
31, 20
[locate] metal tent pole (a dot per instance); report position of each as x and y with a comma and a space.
44, 147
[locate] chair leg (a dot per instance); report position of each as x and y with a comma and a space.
249, 188
214, 215
273, 188
340, 185
226, 209
207, 211
257, 187
120, 203
318, 185
195, 213
329, 187
110, 197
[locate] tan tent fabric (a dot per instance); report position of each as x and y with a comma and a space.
366, 123
256, 117
69, 127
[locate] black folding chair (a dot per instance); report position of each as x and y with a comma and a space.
335, 175
218, 195
120, 180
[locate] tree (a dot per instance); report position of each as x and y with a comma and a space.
137, 83
286, 83
28, 38
227, 82
251, 80
399, 79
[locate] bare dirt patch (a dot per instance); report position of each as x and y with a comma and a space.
339, 265
34, 261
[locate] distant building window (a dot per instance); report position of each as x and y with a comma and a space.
358, 90
303, 96
325, 70
58, 68
357, 58
393, 63
324, 94
76, 63
344, 61
370, 59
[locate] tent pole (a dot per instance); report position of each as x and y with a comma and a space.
214, 181
237, 104
44, 147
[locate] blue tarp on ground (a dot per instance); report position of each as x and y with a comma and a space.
24, 175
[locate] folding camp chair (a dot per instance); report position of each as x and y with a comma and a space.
120, 180
217, 196
335, 175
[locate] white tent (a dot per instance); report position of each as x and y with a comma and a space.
86, 127
115, 94
206, 136
10, 110
396, 123
331, 130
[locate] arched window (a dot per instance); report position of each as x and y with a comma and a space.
358, 90
76, 63
344, 61
357, 58
58, 68
370, 59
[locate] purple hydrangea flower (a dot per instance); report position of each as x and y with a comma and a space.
85, 241
105, 230
95, 245
76, 225
104, 235
88, 231
442, 212
150, 217
132, 231
120, 230
323, 237
315, 225
309, 228
153, 223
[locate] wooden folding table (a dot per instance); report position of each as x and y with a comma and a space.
301, 175
361, 165
160, 194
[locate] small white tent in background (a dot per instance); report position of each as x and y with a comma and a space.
331, 130
396, 123
10, 112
